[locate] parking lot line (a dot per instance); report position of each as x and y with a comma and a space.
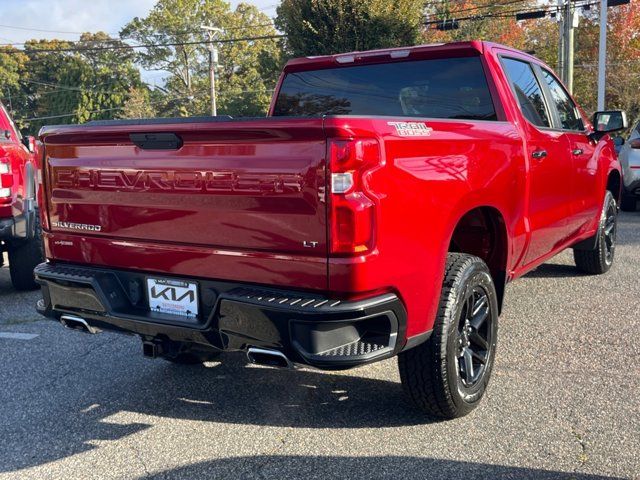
18, 336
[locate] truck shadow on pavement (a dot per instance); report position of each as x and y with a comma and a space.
112, 406
380, 467
118, 394
555, 270
234, 392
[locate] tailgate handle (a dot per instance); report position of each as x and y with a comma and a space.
156, 141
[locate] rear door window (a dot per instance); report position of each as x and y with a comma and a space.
453, 88
570, 119
528, 91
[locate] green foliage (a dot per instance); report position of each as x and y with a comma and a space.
13, 68
138, 104
67, 86
320, 27
247, 72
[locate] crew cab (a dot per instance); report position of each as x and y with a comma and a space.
19, 220
378, 210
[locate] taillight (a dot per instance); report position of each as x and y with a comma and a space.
635, 143
352, 205
6, 179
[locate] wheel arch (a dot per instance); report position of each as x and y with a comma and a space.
614, 184
482, 232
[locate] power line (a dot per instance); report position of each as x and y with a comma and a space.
147, 45
14, 27
482, 7
159, 34
503, 14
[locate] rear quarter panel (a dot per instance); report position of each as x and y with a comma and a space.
426, 184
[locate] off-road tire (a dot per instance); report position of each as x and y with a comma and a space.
600, 259
429, 372
24, 257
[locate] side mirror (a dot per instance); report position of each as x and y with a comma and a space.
6, 134
610, 121
30, 143
618, 141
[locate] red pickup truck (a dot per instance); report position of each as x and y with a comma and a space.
19, 220
378, 210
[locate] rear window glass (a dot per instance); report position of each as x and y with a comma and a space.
453, 88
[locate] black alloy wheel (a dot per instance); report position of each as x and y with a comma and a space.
609, 231
474, 337
597, 257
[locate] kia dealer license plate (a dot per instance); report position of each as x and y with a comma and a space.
174, 297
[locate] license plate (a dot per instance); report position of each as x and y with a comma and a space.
173, 297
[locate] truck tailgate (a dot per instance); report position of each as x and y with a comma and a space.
244, 187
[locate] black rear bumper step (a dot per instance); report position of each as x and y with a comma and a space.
309, 328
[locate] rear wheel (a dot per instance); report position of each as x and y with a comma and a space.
23, 259
447, 376
599, 259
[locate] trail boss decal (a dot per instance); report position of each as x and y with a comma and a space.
174, 297
411, 129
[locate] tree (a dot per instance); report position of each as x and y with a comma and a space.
64, 82
106, 77
13, 68
320, 27
248, 69
486, 20
623, 65
138, 104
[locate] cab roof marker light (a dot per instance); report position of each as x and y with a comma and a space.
346, 59
400, 53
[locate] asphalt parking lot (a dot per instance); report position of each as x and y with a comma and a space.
563, 401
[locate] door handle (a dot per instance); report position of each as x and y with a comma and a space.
577, 151
539, 154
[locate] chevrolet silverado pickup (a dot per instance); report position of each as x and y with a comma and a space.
379, 210
19, 220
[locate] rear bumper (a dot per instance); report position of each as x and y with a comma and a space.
308, 328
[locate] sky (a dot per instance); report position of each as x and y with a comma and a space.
23, 20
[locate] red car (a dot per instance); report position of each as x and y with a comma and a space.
20, 234
379, 210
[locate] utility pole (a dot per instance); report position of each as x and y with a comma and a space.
213, 61
561, 60
569, 24
602, 54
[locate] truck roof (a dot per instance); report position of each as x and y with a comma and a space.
434, 50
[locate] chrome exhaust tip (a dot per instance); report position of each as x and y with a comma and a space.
76, 323
270, 358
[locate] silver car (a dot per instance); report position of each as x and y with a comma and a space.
630, 159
